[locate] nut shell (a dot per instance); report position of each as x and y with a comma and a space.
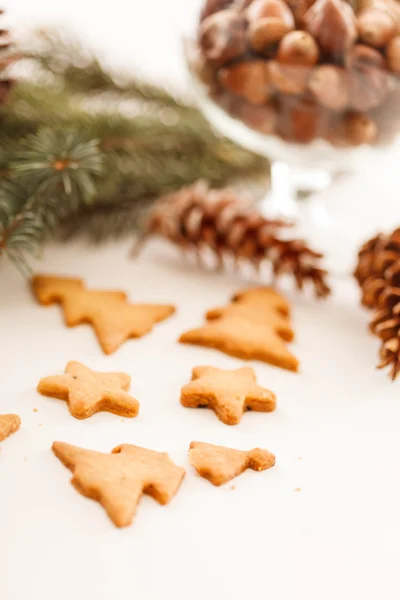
393, 54
302, 120
333, 25
266, 32
288, 79
369, 88
298, 48
365, 56
329, 85
222, 36
260, 9
260, 118
376, 27
248, 79
359, 129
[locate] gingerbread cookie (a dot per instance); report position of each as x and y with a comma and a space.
228, 393
113, 320
88, 392
8, 424
112, 317
258, 313
244, 339
50, 288
219, 464
119, 479
264, 296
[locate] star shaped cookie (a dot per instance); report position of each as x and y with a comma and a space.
8, 424
219, 464
228, 393
88, 392
119, 479
244, 339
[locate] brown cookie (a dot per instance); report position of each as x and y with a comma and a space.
8, 424
119, 479
50, 288
228, 393
88, 392
219, 464
265, 296
244, 339
112, 317
258, 313
113, 320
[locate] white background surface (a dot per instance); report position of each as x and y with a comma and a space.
336, 538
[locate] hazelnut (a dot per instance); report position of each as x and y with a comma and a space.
222, 36
288, 79
376, 27
298, 48
365, 56
369, 88
264, 33
330, 86
359, 129
260, 9
302, 120
261, 118
333, 25
248, 79
393, 54
299, 9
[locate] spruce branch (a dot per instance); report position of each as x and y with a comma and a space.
47, 178
87, 151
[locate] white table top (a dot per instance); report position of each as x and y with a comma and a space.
335, 432
335, 435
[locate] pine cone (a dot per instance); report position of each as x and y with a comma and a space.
376, 261
5, 60
378, 273
198, 218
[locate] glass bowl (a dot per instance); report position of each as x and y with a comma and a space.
311, 84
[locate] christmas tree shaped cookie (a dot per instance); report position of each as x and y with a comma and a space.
8, 424
51, 288
88, 392
228, 393
113, 319
119, 479
253, 327
219, 464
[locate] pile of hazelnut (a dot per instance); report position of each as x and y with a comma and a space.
304, 69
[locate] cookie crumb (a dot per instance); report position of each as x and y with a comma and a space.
297, 490
233, 487
300, 458
35, 410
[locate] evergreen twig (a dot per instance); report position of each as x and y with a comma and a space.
86, 152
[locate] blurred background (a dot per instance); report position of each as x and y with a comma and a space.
128, 35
